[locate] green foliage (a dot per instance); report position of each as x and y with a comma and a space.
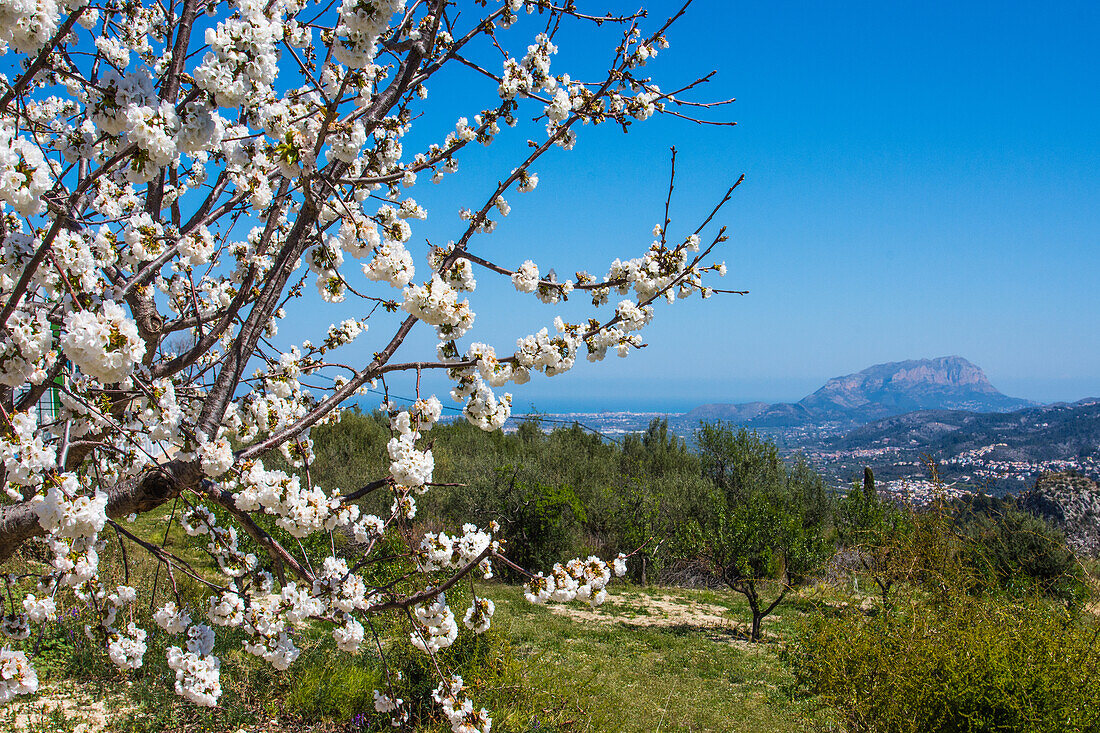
765, 520
566, 493
978, 544
1017, 553
971, 641
973, 665
876, 532
539, 523
336, 687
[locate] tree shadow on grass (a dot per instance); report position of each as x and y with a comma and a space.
723, 634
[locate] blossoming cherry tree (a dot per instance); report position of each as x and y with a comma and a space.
173, 177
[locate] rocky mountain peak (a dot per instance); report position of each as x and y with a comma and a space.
879, 391
915, 376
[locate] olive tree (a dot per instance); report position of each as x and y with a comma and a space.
766, 525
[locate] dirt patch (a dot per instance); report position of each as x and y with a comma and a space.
78, 708
669, 612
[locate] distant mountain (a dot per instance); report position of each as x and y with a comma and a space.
946, 383
880, 391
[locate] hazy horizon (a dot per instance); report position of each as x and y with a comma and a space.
574, 392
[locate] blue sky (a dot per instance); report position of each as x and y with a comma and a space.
922, 179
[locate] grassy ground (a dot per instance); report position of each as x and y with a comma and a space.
650, 659
658, 659
643, 668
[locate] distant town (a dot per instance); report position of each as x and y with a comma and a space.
904, 420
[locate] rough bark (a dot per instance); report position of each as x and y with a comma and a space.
145, 492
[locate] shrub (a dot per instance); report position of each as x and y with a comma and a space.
1018, 553
975, 665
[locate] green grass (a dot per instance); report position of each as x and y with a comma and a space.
552, 672
645, 678
632, 668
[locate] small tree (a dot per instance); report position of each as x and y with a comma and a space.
765, 520
873, 529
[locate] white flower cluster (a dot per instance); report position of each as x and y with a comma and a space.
158, 414
344, 333
618, 565
386, 704
441, 551
17, 676
215, 456
68, 510
198, 671
410, 466
661, 269
479, 616
391, 264
103, 343
495, 372
153, 130
532, 73
172, 619
300, 511
340, 589
126, 648
543, 353
484, 410
612, 337
436, 303
632, 317
25, 352
577, 579
361, 23
39, 610
459, 275
24, 172
349, 636
243, 61
526, 277
460, 710
25, 454
434, 626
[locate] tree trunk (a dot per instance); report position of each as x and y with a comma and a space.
142, 493
757, 615
884, 589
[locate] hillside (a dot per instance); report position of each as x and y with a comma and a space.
1072, 504
1052, 432
998, 452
